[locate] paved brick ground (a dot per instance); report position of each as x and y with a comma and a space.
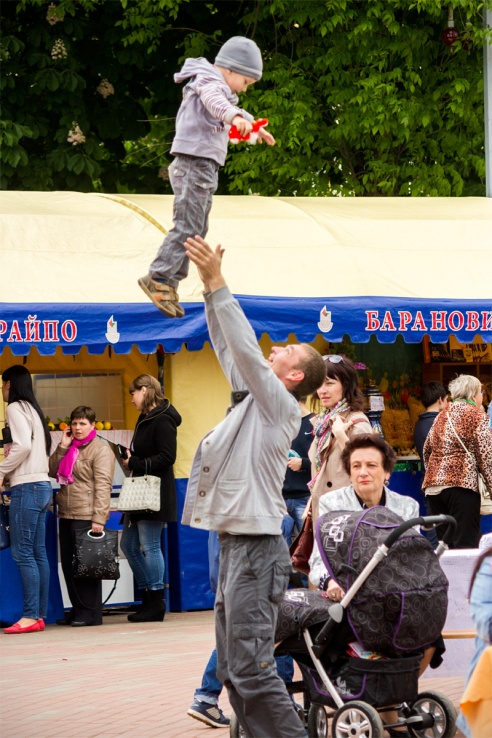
115, 681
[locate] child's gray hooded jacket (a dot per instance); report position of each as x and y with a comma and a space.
208, 108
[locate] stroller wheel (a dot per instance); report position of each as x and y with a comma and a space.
357, 720
235, 729
317, 722
438, 715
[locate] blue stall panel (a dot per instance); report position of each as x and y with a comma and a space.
188, 562
406, 479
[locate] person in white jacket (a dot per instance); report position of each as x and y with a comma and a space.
235, 488
369, 461
26, 467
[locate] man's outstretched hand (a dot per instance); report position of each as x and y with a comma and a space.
207, 261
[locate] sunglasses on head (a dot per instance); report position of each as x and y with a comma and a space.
333, 358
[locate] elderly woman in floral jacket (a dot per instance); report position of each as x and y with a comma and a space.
459, 445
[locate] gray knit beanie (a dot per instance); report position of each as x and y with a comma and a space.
241, 55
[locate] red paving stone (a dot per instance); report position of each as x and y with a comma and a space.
116, 681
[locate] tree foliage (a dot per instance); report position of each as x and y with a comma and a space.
363, 96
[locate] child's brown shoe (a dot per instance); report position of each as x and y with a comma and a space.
164, 297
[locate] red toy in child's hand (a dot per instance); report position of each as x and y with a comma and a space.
252, 137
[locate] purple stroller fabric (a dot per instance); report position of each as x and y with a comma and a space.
402, 605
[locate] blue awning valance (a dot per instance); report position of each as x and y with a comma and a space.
123, 326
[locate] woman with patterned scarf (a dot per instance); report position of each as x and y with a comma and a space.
340, 419
83, 465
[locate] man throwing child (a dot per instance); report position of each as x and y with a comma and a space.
235, 487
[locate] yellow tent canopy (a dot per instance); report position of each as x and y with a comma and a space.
335, 266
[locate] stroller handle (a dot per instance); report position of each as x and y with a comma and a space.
427, 521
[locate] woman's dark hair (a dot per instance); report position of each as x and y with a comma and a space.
346, 373
21, 390
369, 440
83, 411
478, 564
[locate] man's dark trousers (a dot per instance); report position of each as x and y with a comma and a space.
253, 576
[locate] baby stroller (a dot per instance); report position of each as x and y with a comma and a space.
361, 656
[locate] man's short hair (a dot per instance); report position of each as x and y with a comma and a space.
369, 440
314, 370
432, 392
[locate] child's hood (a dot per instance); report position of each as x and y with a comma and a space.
193, 67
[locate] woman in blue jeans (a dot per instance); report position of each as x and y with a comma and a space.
26, 467
152, 451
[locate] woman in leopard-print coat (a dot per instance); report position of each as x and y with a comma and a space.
451, 481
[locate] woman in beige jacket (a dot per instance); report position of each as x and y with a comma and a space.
340, 419
84, 466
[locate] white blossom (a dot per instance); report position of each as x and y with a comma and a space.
59, 50
51, 15
75, 135
105, 88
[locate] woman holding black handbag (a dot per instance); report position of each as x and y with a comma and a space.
84, 466
152, 450
26, 466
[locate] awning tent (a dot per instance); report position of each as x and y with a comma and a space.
303, 266
315, 268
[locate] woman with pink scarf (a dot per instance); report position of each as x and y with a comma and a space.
83, 465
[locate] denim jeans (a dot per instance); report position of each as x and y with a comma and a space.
141, 544
194, 180
211, 687
295, 508
28, 508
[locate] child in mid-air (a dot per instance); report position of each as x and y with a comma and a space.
209, 107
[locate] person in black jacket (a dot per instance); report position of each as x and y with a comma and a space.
295, 490
435, 399
154, 445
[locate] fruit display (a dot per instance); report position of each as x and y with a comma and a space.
398, 430
60, 425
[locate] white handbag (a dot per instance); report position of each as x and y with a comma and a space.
140, 493
485, 500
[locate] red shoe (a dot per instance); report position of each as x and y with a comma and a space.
16, 628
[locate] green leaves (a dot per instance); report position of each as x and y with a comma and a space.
363, 98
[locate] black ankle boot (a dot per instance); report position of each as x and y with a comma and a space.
143, 604
154, 610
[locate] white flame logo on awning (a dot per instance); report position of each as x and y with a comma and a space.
325, 323
112, 335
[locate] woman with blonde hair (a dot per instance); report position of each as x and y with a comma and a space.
153, 449
459, 445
